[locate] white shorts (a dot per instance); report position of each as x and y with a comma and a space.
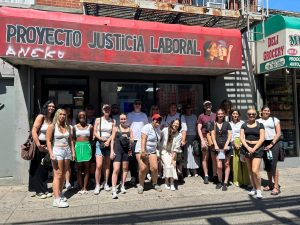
61, 153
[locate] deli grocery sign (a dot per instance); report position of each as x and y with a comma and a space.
281, 47
29, 34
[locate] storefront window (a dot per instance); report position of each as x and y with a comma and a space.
124, 94
279, 96
180, 94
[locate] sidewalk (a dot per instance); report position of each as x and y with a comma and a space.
193, 203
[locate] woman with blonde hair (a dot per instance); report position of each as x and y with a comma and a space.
61, 150
252, 136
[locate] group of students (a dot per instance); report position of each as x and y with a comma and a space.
151, 147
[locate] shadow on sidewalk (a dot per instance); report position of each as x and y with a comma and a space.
220, 210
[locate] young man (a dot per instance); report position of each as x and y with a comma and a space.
205, 125
136, 120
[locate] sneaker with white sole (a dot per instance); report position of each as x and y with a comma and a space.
114, 194
258, 194
167, 187
106, 187
58, 202
102, 186
68, 186
157, 188
97, 190
41, 196
140, 189
252, 192
123, 190
63, 197
173, 187
48, 194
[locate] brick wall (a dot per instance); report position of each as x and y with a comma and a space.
60, 3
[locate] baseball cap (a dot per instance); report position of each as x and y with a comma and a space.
206, 102
156, 116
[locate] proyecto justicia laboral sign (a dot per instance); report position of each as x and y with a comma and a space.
281, 47
29, 34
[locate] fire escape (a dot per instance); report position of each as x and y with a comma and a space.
239, 14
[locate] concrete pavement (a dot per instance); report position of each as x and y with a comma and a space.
193, 203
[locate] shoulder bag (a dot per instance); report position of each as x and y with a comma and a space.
28, 148
281, 154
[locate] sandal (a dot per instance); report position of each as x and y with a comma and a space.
275, 191
268, 188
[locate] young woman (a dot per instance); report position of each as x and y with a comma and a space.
103, 133
227, 106
252, 136
240, 171
61, 150
170, 146
122, 140
271, 144
38, 173
83, 135
221, 136
146, 152
191, 161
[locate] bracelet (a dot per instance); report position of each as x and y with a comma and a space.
272, 143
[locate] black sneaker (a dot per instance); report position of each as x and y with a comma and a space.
224, 188
215, 180
206, 180
219, 185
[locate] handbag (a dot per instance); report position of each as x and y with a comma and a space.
196, 147
28, 149
281, 153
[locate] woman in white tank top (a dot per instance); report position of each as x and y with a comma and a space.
38, 173
61, 150
103, 133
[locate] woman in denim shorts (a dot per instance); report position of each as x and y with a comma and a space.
61, 150
103, 133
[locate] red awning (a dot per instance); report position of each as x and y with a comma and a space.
60, 40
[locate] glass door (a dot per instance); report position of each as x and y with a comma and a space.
66, 92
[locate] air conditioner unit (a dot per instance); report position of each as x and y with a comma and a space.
215, 5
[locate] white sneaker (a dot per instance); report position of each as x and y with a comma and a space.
68, 186
63, 197
123, 190
149, 176
173, 187
97, 190
102, 186
48, 194
252, 192
114, 194
58, 202
167, 187
106, 187
258, 194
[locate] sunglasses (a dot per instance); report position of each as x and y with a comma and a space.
251, 114
137, 103
154, 108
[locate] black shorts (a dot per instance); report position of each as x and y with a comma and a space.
121, 155
257, 154
271, 165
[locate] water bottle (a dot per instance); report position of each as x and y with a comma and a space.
269, 155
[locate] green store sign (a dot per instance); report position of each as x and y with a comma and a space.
279, 63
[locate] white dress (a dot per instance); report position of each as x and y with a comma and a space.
166, 152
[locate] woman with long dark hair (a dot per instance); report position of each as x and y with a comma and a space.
271, 147
38, 173
221, 136
170, 146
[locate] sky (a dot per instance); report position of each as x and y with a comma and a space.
287, 5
